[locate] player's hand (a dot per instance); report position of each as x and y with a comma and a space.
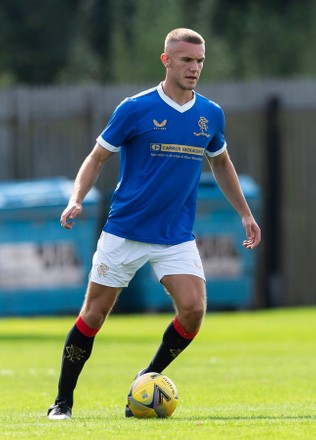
72, 211
253, 233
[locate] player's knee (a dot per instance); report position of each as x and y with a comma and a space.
98, 303
94, 313
197, 313
94, 318
192, 316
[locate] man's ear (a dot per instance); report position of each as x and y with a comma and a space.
165, 59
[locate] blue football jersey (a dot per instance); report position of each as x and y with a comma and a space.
162, 145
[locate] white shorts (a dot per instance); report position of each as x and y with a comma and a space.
117, 259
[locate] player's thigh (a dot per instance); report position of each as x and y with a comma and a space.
188, 292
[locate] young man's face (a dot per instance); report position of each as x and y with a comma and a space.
184, 63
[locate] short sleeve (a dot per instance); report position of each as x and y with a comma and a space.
218, 143
121, 126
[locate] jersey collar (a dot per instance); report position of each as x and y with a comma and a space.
180, 108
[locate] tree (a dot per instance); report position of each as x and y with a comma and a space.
76, 41
35, 38
266, 38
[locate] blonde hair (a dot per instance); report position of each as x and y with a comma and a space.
183, 34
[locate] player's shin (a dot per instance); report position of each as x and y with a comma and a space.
175, 340
77, 350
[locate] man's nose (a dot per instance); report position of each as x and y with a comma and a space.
194, 66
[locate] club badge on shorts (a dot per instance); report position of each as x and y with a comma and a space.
102, 270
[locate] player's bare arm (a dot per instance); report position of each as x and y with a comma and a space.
86, 178
226, 177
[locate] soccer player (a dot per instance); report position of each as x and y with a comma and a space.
162, 135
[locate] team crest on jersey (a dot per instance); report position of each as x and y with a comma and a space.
160, 125
202, 123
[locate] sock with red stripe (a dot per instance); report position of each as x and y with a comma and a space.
175, 340
77, 350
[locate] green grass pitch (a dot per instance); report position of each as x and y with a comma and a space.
248, 375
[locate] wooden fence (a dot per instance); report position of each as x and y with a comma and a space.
271, 132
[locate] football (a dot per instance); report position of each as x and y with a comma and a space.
152, 395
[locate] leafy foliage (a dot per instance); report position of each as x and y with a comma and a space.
36, 36
73, 41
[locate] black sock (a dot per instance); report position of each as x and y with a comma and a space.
171, 346
76, 352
